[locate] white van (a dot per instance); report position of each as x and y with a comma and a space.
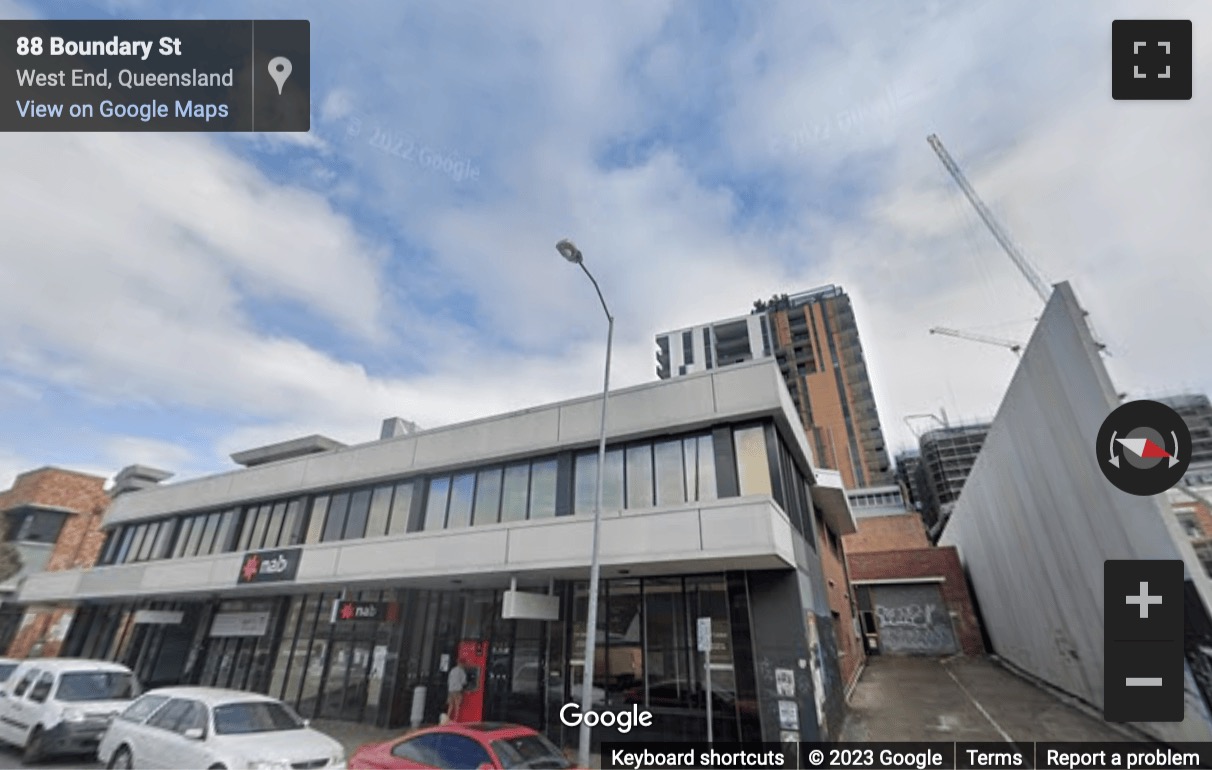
62, 705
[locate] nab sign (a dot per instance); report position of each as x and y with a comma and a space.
269, 566
387, 612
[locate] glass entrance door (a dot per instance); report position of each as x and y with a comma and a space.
516, 673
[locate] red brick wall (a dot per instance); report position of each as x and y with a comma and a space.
78, 546
927, 562
850, 650
887, 533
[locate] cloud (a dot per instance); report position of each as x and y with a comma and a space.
231, 293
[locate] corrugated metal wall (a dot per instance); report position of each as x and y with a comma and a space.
1037, 519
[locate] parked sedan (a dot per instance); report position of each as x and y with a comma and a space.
455, 746
209, 728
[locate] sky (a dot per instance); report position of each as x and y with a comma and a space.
168, 299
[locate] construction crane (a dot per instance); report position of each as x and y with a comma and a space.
1042, 288
1014, 347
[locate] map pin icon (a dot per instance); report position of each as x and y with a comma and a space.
279, 70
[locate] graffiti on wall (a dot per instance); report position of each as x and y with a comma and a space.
913, 619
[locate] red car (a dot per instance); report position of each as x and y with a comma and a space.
455, 746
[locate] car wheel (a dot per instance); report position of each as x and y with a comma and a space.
33, 747
121, 759
217, 767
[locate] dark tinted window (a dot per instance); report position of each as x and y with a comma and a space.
443, 750
194, 718
359, 507
168, 717
26, 680
6, 670
530, 751
423, 750
143, 708
334, 525
41, 688
96, 685
263, 717
459, 752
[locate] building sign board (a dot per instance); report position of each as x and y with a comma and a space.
240, 624
159, 617
274, 566
519, 605
345, 611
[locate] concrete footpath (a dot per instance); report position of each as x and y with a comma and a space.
961, 699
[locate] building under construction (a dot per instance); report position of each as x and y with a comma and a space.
1196, 411
814, 338
946, 458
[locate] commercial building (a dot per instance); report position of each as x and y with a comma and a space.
814, 338
947, 456
52, 522
347, 579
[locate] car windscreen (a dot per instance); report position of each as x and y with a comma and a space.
96, 685
6, 670
262, 717
532, 752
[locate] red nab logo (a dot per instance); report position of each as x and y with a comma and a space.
252, 565
347, 611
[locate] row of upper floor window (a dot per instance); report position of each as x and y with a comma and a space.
662, 472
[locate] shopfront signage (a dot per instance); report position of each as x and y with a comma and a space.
519, 605
385, 612
269, 566
240, 624
159, 617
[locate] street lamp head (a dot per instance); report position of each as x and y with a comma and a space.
569, 251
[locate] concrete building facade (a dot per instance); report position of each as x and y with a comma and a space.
52, 519
345, 580
1037, 520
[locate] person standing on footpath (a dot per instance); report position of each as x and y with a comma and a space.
456, 682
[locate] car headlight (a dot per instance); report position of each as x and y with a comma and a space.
73, 715
269, 764
337, 760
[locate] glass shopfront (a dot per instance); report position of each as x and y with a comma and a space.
328, 662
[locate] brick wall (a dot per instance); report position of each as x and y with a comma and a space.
850, 649
887, 533
78, 545
927, 562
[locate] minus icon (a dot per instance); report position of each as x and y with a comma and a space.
1143, 681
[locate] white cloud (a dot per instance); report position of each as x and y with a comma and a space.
135, 264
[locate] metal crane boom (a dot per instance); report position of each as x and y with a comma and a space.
1014, 347
1003, 238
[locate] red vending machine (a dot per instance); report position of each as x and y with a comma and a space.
474, 654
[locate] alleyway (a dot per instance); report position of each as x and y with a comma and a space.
961, 699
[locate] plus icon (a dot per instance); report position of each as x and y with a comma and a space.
1151, 59
1144, 600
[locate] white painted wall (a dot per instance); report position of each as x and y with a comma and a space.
712, 536
1037, 519
667, 406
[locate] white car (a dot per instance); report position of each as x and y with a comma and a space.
62, 705
211, 729
7, 667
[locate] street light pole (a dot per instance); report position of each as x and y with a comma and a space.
573, 254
